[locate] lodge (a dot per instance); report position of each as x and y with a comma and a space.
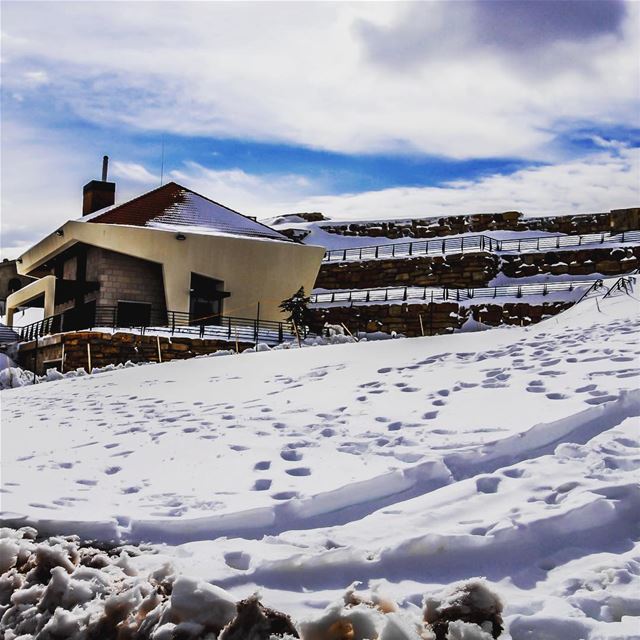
170, 250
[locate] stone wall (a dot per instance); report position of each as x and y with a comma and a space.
431, 318
451, 225
457, 270
123, 277
577, 262
109, 348
474, 269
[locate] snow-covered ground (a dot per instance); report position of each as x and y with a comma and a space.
406, 465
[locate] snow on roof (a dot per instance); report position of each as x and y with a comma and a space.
174, 207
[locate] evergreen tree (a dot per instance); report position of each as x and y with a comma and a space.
297, 306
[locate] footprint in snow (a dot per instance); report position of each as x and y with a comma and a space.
285, 495
262, 484
299, 471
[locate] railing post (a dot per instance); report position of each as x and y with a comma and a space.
360, 253
344, 256
623, 236
376, 251
538, 244
411, 248
393, 250
405, 294
462, 244
229, 327
280, 336
519, 294
557, 242
602, 238
544, 290
443, 246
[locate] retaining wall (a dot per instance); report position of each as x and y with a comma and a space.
432, 318
474, 269
451, 225
107, 348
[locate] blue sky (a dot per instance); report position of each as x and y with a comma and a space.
357, 110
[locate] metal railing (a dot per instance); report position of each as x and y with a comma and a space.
474, 244
444, 294
227, 328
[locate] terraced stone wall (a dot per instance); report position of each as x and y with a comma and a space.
459, 270
432, 318
451, 225
109, 348
474, 269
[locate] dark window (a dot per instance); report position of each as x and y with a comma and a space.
133, 314
206, 299
14, 285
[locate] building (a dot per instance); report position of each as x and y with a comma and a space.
169, 250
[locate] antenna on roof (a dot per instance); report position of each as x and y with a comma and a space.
162, 162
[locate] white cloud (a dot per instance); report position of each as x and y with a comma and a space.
301, 73
599, 182
133, 172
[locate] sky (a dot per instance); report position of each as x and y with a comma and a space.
358, 110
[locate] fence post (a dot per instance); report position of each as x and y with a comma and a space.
405, 294
393, 250
557, 242
538, 244
462, 244
229, 327
35, 360
519, 294
344, 255
280, 336
376, 251
623, 236
602, 238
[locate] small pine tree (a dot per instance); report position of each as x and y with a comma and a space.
297, 306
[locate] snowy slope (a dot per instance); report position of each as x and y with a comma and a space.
511, 453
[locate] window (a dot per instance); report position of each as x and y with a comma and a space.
205, 306
133, 314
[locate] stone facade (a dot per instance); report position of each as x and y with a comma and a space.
471, 270
414, 320
123, 277
120, 277
107, 348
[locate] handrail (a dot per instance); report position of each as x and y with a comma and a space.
229, 328
473, 244
444, 294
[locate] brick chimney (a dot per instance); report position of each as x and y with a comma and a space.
98, 194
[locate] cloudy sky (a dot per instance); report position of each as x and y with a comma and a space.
357, 110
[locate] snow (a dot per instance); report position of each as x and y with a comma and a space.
405, 465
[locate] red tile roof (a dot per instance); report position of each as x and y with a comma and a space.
175, 207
